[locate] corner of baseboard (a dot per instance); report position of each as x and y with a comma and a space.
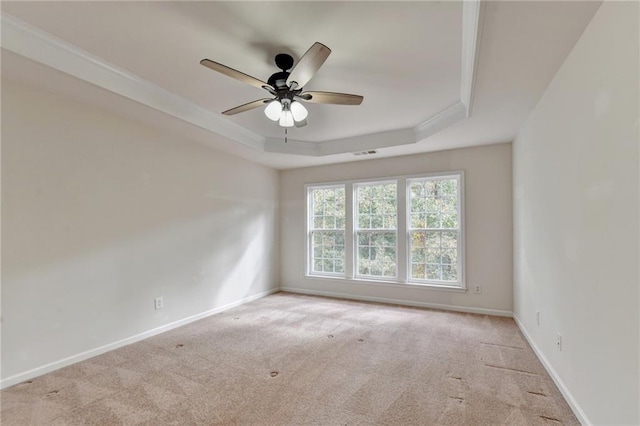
568, 396
455, 308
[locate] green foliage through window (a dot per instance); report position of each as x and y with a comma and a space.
328, 229
425, 246
434, 229
377, 221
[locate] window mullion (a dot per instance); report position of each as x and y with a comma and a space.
349, 236
401, 232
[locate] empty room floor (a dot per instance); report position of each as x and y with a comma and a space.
298, 360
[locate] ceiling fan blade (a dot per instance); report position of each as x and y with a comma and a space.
309, 64
246, 107
301, 123
245, 78
331, 98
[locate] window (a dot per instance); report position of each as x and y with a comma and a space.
434, 229
327, 230
408, 229
376, 229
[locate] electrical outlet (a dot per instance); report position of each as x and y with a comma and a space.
559, 342
538, 318
159, 303
477, 289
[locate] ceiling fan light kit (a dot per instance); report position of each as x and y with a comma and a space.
287, 87
286, 112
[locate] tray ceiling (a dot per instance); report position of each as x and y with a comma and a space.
415, 63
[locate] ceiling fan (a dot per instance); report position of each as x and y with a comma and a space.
287, 87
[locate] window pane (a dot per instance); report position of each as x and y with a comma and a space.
432, 255
449, 239
434, 229
377, 206
377, 253
418, 271
433, 220
449, 187
418, 255
450, 220
389, 221
328, 252
328, 207
449, 272
433, 272
449, 204
418, 239
327, 229
376, 229
430, 188
433, 238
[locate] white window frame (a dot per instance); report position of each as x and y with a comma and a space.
355, 187
310, 229
402, 233
461, 283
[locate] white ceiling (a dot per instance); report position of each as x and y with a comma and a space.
406, 58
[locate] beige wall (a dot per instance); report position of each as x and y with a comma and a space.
488, 227
576, 221
101, 215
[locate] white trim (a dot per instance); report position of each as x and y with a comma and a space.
35, 44
440, 121
568, 396
354, 238
433, 285
455, 308
462, 248
472, 14
38, 371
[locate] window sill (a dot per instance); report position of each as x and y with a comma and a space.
384, 283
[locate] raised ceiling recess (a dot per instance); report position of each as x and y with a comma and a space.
414, 63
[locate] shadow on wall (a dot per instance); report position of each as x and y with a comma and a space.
105, 295
101, 215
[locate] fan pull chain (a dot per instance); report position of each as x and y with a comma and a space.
285, 135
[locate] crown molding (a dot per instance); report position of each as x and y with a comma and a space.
440, 121
341, 146
472, 19
35, 44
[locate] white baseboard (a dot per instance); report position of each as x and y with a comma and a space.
468, 309
568, 396
21, 377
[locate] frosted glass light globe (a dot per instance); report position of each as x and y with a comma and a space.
286, 119
299, 111
273, 111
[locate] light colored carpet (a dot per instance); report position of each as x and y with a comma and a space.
301, 360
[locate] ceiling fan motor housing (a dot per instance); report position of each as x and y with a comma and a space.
278, 80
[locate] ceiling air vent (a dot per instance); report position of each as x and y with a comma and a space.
365, 152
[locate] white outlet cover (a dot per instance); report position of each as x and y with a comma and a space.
159, 303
